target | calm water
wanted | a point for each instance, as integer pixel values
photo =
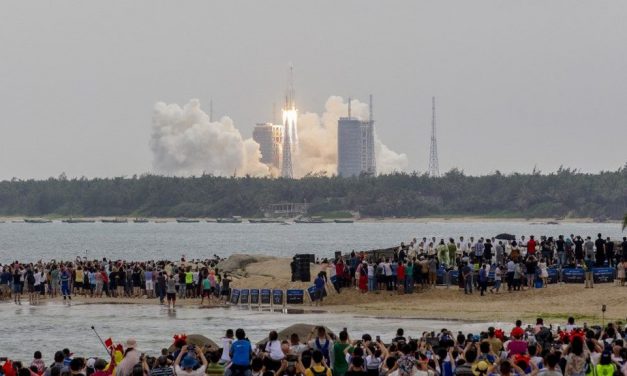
(31, 242)
(54, 326)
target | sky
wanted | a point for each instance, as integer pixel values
(519, 84)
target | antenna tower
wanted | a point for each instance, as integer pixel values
(434, 169)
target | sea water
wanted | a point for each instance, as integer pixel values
(53, 326)
(142, 241)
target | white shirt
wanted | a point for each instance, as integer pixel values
(199, 372)
(226, 348)
(274, 349)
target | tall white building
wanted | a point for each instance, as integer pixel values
(270, 139)
(355, 147)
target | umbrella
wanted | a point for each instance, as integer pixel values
(505, 236)
(198, 340)
(302, 330)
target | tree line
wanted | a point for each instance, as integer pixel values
(564, 193)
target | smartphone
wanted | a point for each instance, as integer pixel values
(378, 338)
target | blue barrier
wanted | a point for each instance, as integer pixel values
(234, 296)
(254, 296)
(295, 296)
(277, 297)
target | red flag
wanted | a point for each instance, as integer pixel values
(108, 342)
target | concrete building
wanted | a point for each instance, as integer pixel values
(270, 139)
(355, 147)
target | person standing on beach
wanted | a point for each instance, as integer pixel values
(600, 253)
(442, 251)
(65, 285)
(588, 247)
(160, 286)
(483, 278)
(170, 290)
(467, 274)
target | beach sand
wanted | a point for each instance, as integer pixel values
(554, 303)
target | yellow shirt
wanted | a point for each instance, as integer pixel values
(318, 369)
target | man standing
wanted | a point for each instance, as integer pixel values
(588, 248)
(65, 285)
(531, 246)
(467, 274)
(483, 278)
(609, 252)
(600, 254)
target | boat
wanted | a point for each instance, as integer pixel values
(161, 221)
(37, 220)
(115, 220)
(234, 219)
(266, 220)
(309, 220)
(78, 220)
(343, 221)
(140, 220)
(187, 220)
(272, 220)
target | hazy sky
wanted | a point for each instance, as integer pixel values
(519, 83)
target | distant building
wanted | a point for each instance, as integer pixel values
(270, 139)
(355, 147)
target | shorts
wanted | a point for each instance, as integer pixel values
(225, 292)
(78, 285)
(171, 296)
(206, 293)
(17, 288)
(149, 285)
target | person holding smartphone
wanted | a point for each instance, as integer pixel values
(186, 366)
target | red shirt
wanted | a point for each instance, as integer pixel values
(400, 272)
(531, 246)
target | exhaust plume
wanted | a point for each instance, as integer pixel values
(185, 142)
(318, 140)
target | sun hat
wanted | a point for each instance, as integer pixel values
(131, 343)
(480, 368)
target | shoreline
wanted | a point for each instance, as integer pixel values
(554, 304)
(418, 220)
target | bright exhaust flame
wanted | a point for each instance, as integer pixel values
(290, 121)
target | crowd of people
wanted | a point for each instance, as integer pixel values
(532, 350)
(521, 264)
(482, 264)
(164, 280)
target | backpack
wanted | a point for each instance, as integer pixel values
(323, 373)
(30, 279)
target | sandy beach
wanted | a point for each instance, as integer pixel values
(555, 303)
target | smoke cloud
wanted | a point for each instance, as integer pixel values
(185, 142)
(318, 140)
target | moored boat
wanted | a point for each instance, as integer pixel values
(140, 220)
(234, 219)
(187, 220)
(115, 220)
(343, 221)
(37, 220)
(78, 220)
(309, 220)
